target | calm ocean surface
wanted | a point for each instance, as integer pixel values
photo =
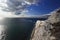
(20, 28)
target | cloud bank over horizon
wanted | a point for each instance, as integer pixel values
(16, 6)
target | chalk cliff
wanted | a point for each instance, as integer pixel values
(48, 29)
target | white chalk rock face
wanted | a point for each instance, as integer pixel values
(48, 29)
(55, 16)
(39, 31)
(2, 32)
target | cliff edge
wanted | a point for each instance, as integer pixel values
(48, 29)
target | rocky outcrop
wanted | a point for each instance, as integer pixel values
(49, 29)
(2, 32)
(36, 31)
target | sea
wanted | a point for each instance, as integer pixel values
(20, 28)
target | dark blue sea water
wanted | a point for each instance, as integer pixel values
(20, 28)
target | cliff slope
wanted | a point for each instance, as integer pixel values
(48, 29)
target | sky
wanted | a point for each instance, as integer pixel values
(27, 7)
(44, 7)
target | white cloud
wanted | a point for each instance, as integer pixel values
(12, 6)
(29, 2)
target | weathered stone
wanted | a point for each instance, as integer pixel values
(49, 29)
(55, 16)
(2, 32)
(41, 31)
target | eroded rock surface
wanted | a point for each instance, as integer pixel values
(49, 29)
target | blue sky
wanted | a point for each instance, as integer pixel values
(27, 7)
(43, 7)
